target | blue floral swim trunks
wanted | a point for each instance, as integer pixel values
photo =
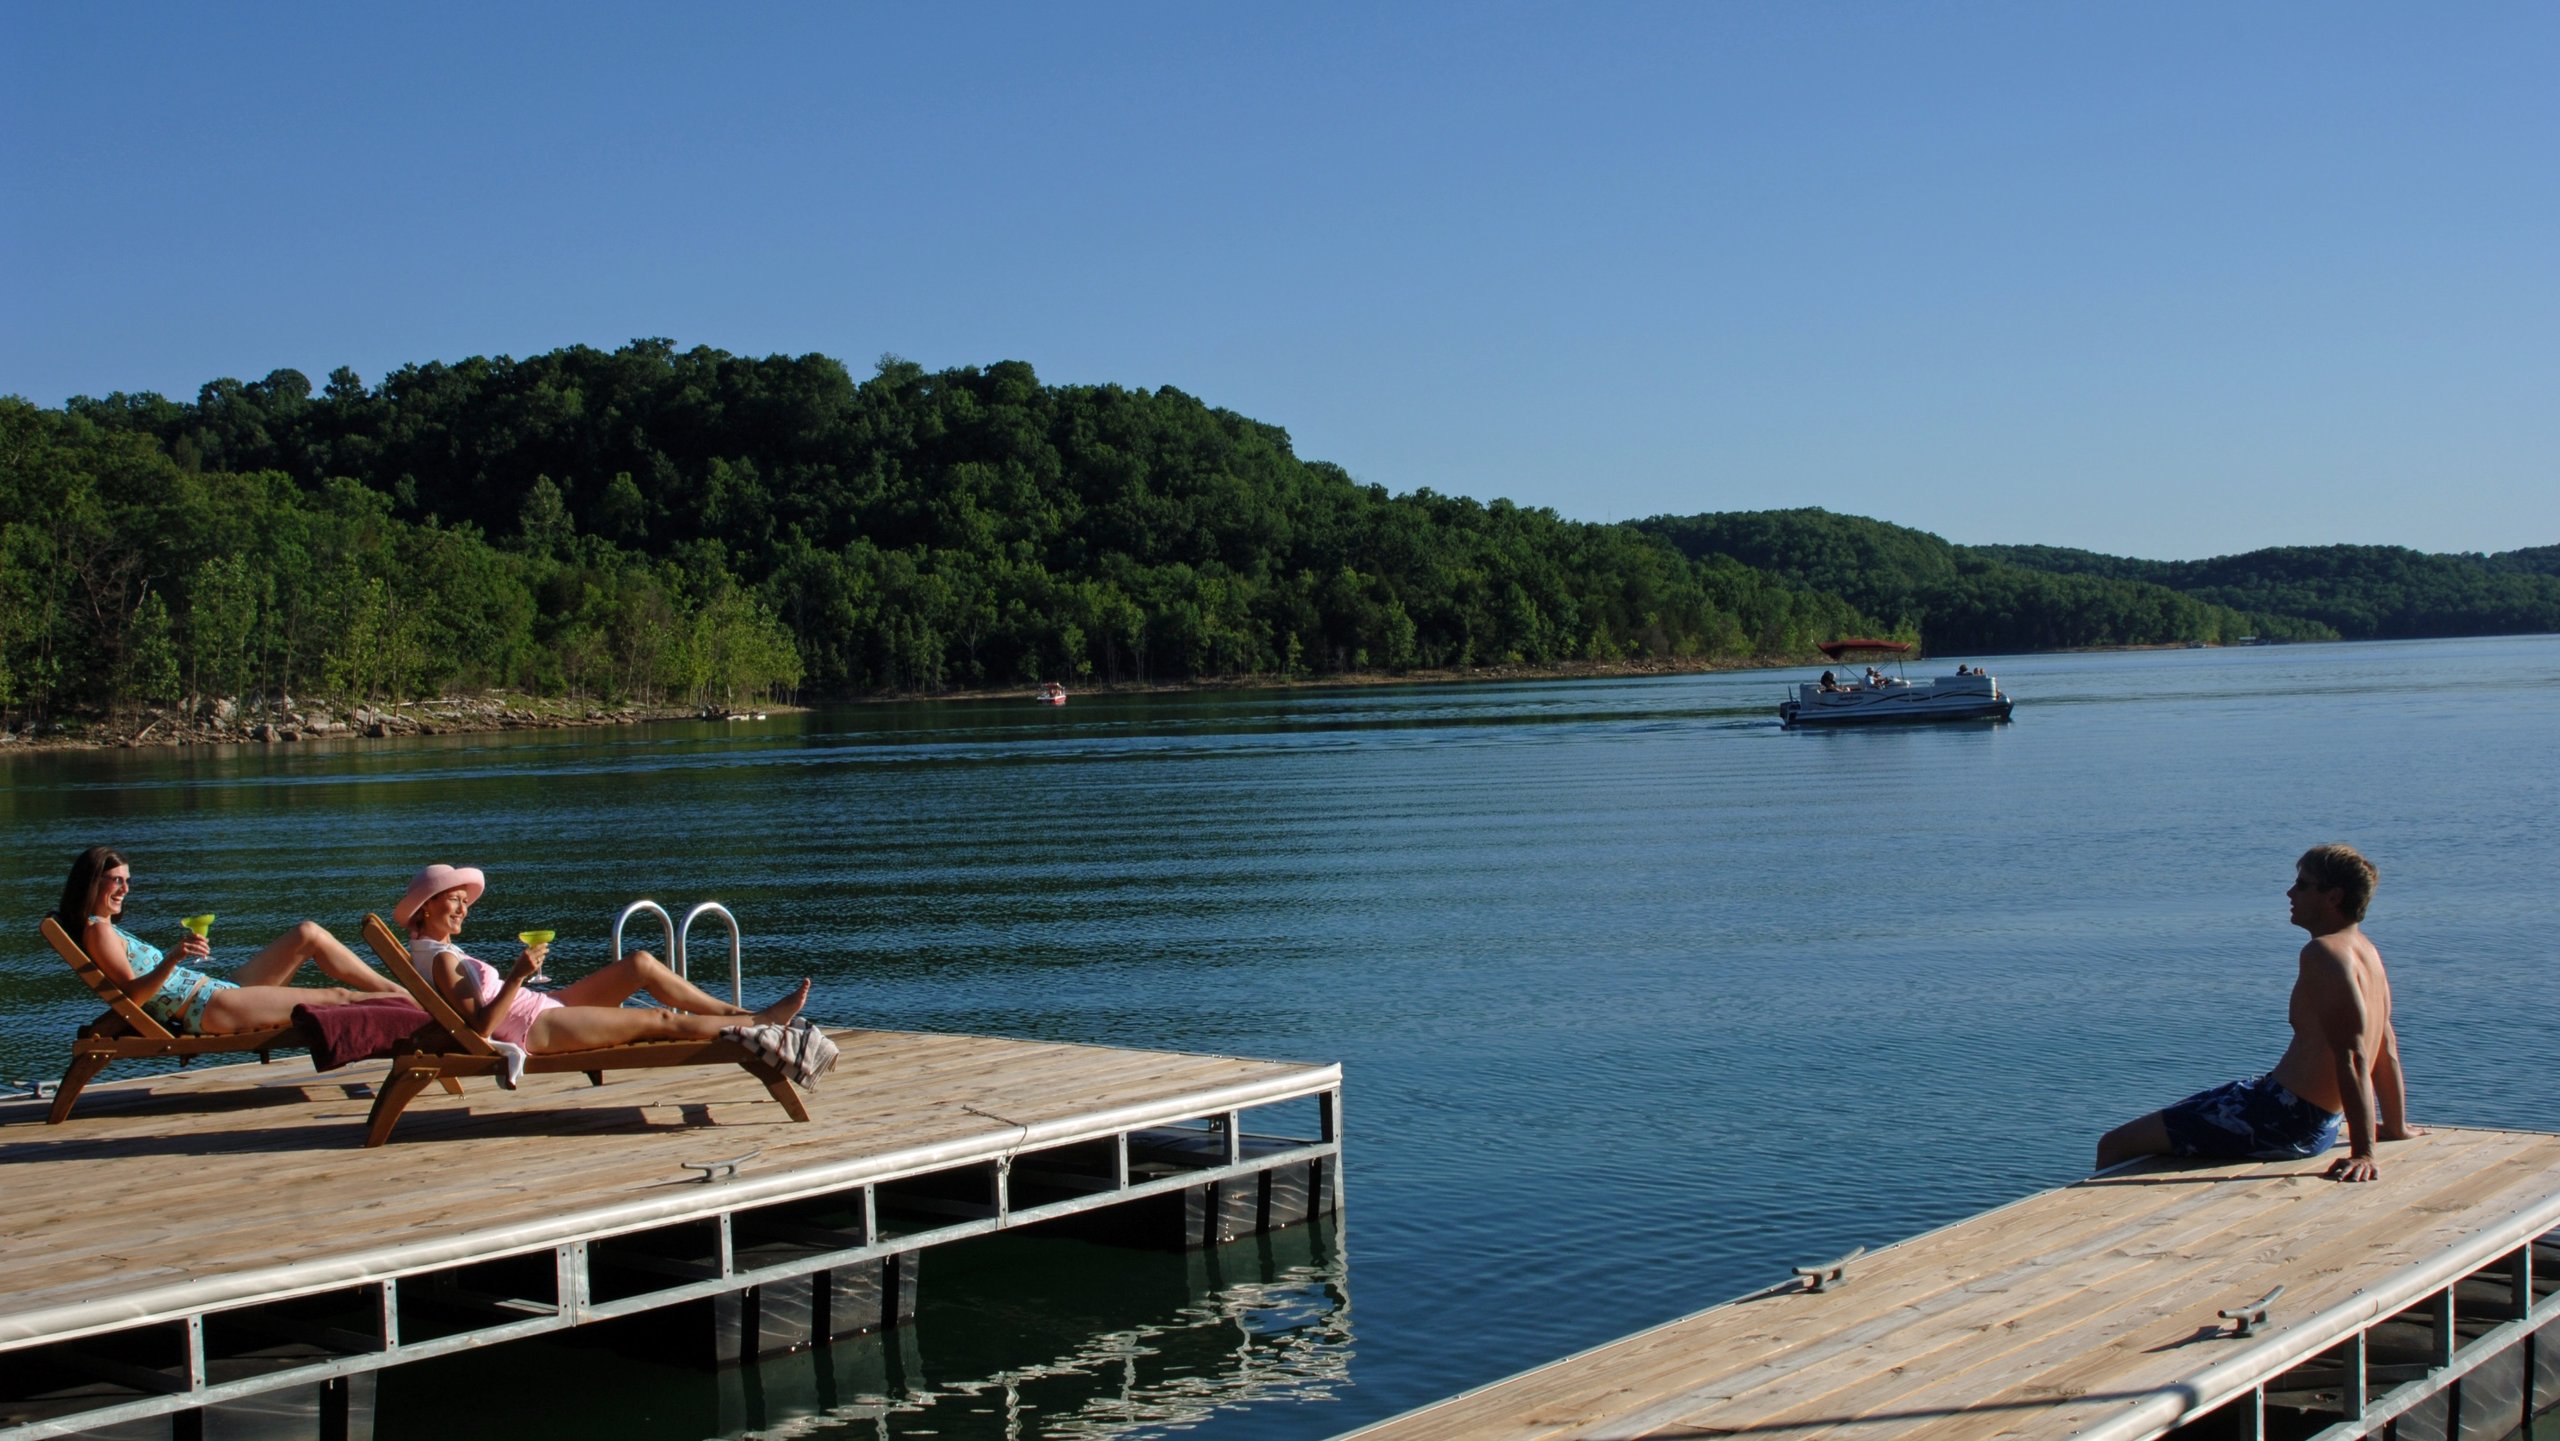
(2254, 1120)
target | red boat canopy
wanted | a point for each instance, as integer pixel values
(1838, 648)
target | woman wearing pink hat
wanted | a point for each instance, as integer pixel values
(185, 999)
(581, 1016)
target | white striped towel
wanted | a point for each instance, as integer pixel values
(800, 1050)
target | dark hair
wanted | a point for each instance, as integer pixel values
(96, 861)
(2338, 868)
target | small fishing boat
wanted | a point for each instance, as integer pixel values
(1052, 694)
(1880, 699)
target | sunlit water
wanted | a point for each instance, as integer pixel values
(1641, 1000)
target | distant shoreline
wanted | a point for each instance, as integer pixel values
(491, 714)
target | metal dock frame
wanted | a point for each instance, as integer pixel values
(2346, 1366)
(753, 1242)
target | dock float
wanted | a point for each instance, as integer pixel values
(2164, 1298)
(220, 1236)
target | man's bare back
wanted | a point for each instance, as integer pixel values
(2345, 1055)
(2344, 1059)
(2341, 985)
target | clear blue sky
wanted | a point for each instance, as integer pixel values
(2168, 280)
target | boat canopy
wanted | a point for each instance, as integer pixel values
(1838, 648)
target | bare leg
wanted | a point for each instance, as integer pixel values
(2148, 1136)
(311, 941)
(256, 1008)
(585, 1028)
(641, 971)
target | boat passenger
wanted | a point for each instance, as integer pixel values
(1828, 682)
(585, 1014)
(2344, 1061)
(173, 991)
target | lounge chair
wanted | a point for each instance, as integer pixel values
(128, 1033)
(449, 1048)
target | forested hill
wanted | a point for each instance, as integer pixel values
(1968, 599)
(667, 524)
(663, 525)
(2364, 592)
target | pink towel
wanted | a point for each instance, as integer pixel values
(359, 1031)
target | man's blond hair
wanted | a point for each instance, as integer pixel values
(2336, 867)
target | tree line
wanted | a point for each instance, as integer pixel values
(689, 525)
(1971, 598)
(661, 523)
(127, 580)
(2362, 592)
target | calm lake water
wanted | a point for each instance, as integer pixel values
(1641, 1000)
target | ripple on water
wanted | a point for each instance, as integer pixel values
(1642, 1001)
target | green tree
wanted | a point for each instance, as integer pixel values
(224, 600)
(150, 671)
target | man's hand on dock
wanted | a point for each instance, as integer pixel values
(2362, 1168)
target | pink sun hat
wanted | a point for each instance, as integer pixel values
(435, 881)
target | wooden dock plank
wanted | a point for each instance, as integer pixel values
(2036, 1344)
(1780, 1337)
(2061, 1312)
(1737, 1347)
(194, 1179)
(2046, 1361)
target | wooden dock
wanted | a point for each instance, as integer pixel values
(2093, 1311)
(198, 1237)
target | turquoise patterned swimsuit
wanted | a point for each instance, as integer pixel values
(179, 1003)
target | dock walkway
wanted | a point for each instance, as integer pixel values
(2092, 1311)
(167, 1239)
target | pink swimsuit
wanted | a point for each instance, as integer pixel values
(485, 983)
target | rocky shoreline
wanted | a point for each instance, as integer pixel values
(282, 720)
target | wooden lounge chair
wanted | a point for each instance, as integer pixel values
(127, 1032)
(461, 1051)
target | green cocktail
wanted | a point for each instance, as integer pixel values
(536, 938)
(198, 924)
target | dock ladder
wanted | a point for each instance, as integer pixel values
(677, 935)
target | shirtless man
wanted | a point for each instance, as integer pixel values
(2345, 1058)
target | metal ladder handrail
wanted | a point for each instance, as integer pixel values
(737, 973)
(675, 945)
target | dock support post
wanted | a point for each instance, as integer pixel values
(334, 1411)
(2354, 1378)
(2520, 1282)
(2440, 1312)
(772, 1318)
(569, 1280)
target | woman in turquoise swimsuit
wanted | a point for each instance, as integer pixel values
(185, 999)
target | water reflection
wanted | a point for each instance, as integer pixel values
(1039, 1340)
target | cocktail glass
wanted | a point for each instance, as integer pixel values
(537, 938)
(198, 924)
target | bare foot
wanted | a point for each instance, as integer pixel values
(781, 1011)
